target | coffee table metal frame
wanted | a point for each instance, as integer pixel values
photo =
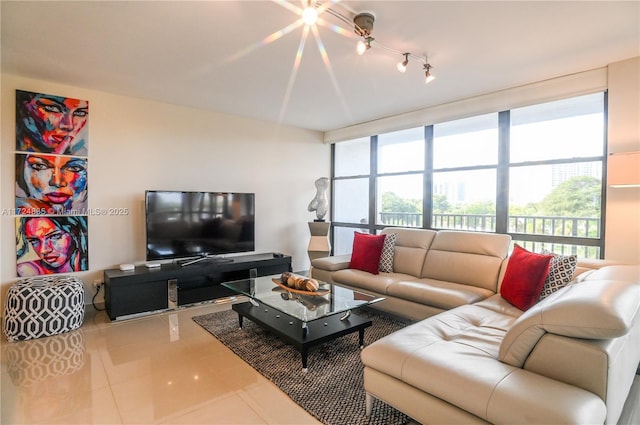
(302, 321)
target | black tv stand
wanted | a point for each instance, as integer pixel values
(147, 290)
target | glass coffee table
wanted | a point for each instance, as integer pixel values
(302, 320)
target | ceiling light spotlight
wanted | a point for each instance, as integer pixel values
(402, 66)
(364, 45)
(427, 73)
(309, 15)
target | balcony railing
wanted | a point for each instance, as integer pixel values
(579, 227)
(583, 227)
(479, 222)
(401, 219)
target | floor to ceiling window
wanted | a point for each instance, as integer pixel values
(465, 163)
(555, 175)
(534, 172)
(399, 179)
(350, 194)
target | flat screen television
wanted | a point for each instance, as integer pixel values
(198, 224)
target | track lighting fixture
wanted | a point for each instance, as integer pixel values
(364, 45)
(312, 14)
(427, 72)
(363, 26)
(402, 66)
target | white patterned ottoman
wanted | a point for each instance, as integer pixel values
(43, 306)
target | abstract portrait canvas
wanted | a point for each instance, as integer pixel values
(50, 184)
(51, 244)
(51, 124)
(51, 187)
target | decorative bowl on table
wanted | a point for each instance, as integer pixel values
(299, 284)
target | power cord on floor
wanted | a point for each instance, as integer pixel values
(93, 300)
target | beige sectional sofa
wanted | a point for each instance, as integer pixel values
(433, 271)
(475, 358)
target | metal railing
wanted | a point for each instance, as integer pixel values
(583, 227)
(401, 219)
(560, 227)
(581, 251)
(478, 222)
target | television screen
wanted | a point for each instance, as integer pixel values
(191, 224)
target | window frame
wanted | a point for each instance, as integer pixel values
(502, 167)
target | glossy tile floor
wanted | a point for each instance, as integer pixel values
(159, 369)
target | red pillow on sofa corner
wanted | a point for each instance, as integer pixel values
(524, 278)
(366, 253)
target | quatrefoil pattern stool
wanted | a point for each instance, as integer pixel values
(43, 306)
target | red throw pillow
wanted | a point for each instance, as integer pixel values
(524, 278)
(366, 252)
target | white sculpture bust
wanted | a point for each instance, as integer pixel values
(320, 204)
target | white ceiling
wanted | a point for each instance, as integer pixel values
(211, 54)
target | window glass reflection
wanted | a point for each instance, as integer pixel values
(466, 142)
(351, 201)
(401, 151)
(352, 157)
(568, 128)
(465, 200)
(399, 200)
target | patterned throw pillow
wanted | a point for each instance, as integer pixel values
(388, 250)
(560, 273)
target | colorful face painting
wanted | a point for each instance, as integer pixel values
(51, 244)
(48, 184)
(51, 124)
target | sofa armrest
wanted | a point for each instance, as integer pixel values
(333, 263)
(587, 265)
(323, 268)
(601, 307)
(565, 359)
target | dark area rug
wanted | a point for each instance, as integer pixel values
(332, 389)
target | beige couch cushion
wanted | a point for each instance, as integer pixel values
(429, 342)
(367, 281)
(600, 307)
(411, 249)
(453, 357)
(441, 355)
(437, 293)
(469, 258)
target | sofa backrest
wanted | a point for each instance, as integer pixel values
(602, 306)
(470, 258)
(411, 248)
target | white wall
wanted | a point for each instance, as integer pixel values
(622, 238)
(137, 144)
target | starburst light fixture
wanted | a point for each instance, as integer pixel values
(309, 15)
